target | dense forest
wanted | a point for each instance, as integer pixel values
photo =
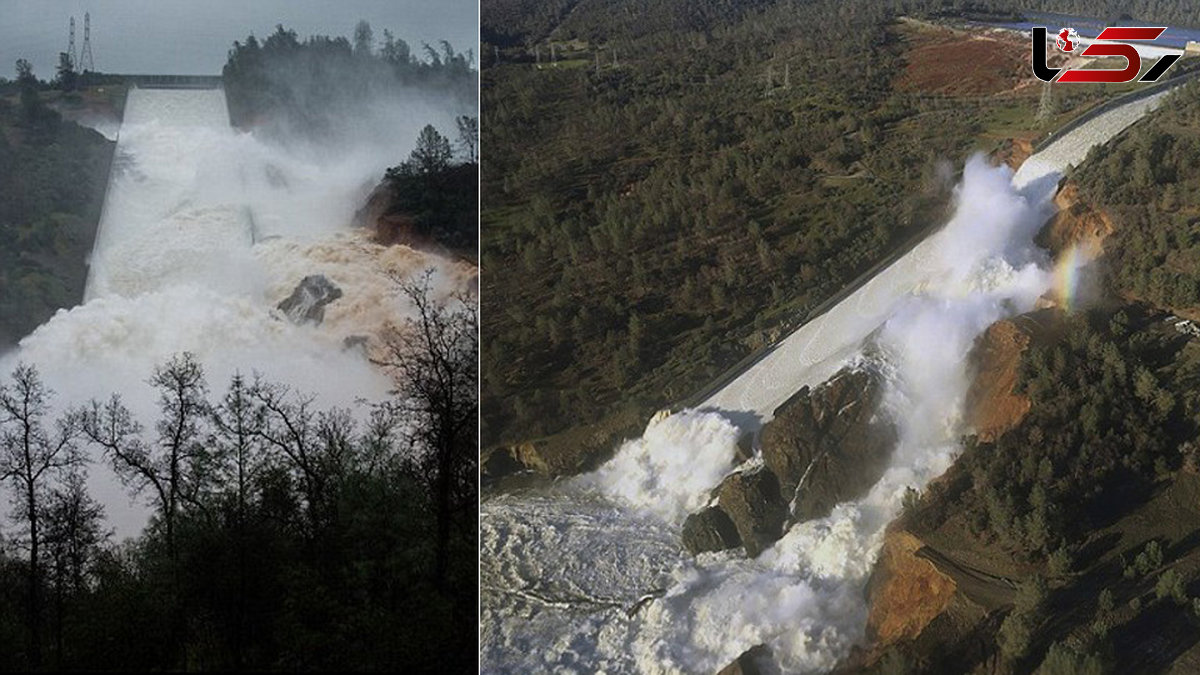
(1146, 181)
(53, 174)
(1089, 502)
(1109, 411)
(283, 536)
(307, 87)
(431, 196)
(509, 23)
(667, 190)
(1092, 498)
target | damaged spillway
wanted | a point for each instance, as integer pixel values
(174, 213)
(591, 573)
(177, 268)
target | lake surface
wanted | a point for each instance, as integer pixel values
(188, 37)
(1089, 27)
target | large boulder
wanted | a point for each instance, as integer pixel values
(307, 302)
(710, 530)
(752, 501)
(830, 444)
(754, 661)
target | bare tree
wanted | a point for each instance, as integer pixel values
(468, 137)
(174, 467)
(237, 443)
(434, 359)
(74, 533)
(29, 454)
(287, 427)
(74, 530)
(238, 460)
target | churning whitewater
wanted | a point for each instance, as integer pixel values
(590, 575)
(204, 230)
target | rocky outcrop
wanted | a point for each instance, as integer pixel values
(709, 530)
(906, 592)
(825, 446)
(388, 227)
(568, 453)
(1013, 152)
(1076, 225)
(828, 445)
(751, 662)
(993, 405)
(307, 302)
(751, 499)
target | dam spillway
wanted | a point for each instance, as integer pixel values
(174, 210)
(814, 351)
(175, 268)
(593, 566)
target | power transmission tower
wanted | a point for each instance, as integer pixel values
(1047, 107)
(71, 45)
(87, 63)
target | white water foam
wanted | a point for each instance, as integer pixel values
(204, 231)
(803, 597)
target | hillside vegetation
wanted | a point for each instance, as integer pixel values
(1072, 536)
(1147, 182)
(683, 184)
(53, 174)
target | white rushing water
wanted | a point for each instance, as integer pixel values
(204, 230)
(561, 566)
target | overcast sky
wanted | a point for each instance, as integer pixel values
(191, 37)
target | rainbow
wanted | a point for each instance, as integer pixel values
(1066, 276)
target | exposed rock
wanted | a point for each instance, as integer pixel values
(752, 501)
(567, 453)
(356, 342)
(906, 592)
(495, 463)
(829, 442)
(1076, 225)
(992, 406)
(389, 228)
(1013, 152)
(709, 530)
(646, 599)
(752, 662)
(307, 302)
(451, 230)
